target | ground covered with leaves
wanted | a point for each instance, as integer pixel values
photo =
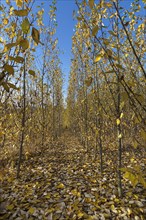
(62, 182)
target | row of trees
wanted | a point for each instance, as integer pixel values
(106, 100)
(31, 101)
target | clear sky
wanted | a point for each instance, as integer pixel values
(64, 33)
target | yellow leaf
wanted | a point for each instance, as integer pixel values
(10, 207)
(21, 13)
(24, 44)
(132, 178)
(91, 3)
(88, 81)
(19, 59)
(8, 2)
(31, 210)
(19, 3)
(118, 121)
(75, 193)
(106, 42)
(143, 134)
(6, 87)
(109, 5)
(9, 69)
(5, 21)
(79, 18)
(94, 31)
(80, 214)
(60, 186)
(119, 66)
(121, 116)
(120, 136)
(124, 96)
(112, 207)
(113, 33)
(31, 72)
(12, 86)
(25, 26)
(135, 144)
(48, 196)
(35, 35)
(9, 46)
(98, 58)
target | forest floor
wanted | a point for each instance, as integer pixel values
(62, 183)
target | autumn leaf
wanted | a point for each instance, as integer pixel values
(98, 58)
(17, 59)
(91, 3)
(19, 3)
(10, 207)
(5, 21)
(60, 186)
(9, 69)
(5, 85)
(9, 46)
(88, 81)
(79, 18)
(25, 26)
(24, 43)
(31, 72)
(118, 121)
(35, 35)
(95, 30)
(21, 13)
(31, 210)
(12, 86)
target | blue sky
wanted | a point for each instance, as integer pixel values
(64, 33)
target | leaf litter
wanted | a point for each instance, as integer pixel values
(62, 182)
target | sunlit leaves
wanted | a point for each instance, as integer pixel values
(118, 121)
(12, 86)
(79, 18)
(17, 59)
(9, 69)
(31, 210)
(35, 35)
(60, 186)
(19, 3)
(9, 46)
(21, 13)
(5, 85)
(98, 58)
(95, 30)
(88, 81)
(10, 207)
(113, 33)
(119, 66)
(143, 134)
(91, 3)
(25, 26)
(5, 21)
(24, 43)
(31, 72)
